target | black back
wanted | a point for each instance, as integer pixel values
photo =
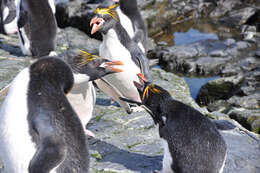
(40, 26)
(54, 126)
(194, 142)
(130, 9)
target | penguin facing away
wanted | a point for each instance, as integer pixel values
(37, 116)
(133, 22)
(191, 141)
(8, 20)
(37, 27)
(117, 45)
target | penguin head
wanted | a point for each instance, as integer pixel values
(105, 18)
(153, 97)
(52, 71)
(94, 66)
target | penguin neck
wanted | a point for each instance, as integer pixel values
(120, 34)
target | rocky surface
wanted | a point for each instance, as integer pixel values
(130, 143)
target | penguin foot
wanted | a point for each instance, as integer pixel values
(89, 133)
(137, 109)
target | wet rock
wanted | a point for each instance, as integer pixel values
(207, 57)
(238, 17)
(219, 89)
(239, 99)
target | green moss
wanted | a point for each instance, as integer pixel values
(133, 145)
(97, 156)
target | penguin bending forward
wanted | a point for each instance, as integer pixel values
(39, 130)
(117, 45)
(133, 22)
(82, 97)
(191, 141)
(37, 27)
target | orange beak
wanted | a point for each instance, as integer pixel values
(113, 69)
(96, 22)
(142, 79)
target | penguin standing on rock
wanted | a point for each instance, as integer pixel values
(39, 130)
(8, 20)
(83, 95)
(118, 45)
(191, 141)
(37, 27)
(133, 22)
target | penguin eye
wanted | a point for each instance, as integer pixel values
(152, 88)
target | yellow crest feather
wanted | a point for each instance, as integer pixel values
(152, 89)
(108, 11)
(86, 57)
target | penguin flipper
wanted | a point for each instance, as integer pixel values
(23, 18)
(139, 36)
(143, 63)
(113, 92)
(51, 149)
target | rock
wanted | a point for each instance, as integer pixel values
(218, 89)
(250, 119)
(224, 6)
(257, 53)
(239, 17)
(207, 57)
(239, 98)
(72, 38)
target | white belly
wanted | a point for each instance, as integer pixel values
(112, 49)
(16, 147)
(82, 98)
(167, 158)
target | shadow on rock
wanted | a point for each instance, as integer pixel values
(119, 159)
(11, 49)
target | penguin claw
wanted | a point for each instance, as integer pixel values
(89, 133)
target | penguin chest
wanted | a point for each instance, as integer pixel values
(112, 49)
(16, 146)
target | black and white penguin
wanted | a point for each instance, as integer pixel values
(132, 21)
(191, 141)
(82, 97)
(39, 129)
(117, 45)
(37, 27)
(8, 20)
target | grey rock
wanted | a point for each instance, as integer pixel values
(257, 53)
(218, 89)
(72, 38)
(239, 17)
(207, 57)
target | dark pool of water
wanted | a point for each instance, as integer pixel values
(195, 84)
(194, 30)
